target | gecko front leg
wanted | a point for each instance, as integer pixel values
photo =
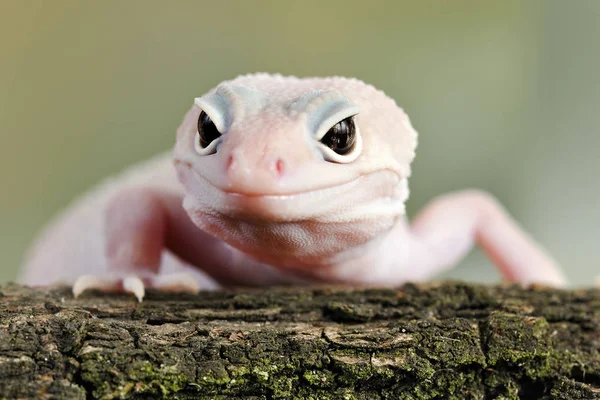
(140, 224)
(450, 225)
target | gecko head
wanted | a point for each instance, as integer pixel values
(303, 167)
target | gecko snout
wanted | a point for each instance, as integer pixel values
(255, 177)
(275, 165)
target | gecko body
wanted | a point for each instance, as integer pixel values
(277, 180)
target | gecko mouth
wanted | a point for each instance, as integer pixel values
(311, 192)
(359, 197)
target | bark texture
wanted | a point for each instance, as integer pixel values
(438, 341)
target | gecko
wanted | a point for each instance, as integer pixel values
(278, 180)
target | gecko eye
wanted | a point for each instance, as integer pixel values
(207, 135)
(341, 138)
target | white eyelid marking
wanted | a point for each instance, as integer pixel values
(229, 101)
(208, 150)
(326, 117)
(242, 98)
(324, 109)
(218, 110)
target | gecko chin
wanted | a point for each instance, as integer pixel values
(299, 228)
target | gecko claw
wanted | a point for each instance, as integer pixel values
(134, 285)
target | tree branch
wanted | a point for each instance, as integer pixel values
(441, 340)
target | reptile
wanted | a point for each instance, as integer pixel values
(277, 180)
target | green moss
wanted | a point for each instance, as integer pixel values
(347, 312)
(319, 378)
(420, 342)
(114, 375)
(147, 376)
(351, 366)
(517, 339)
(566, 389)
(401, 363)
(282, 387)
(451, 343)
(213, 373)
(317, 394)
(501, 384)
(238, 372)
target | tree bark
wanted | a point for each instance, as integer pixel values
(436, 341)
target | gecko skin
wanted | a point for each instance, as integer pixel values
(278, 180)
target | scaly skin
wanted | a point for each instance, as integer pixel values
(264, 197)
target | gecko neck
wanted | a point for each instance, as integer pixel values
(372, 262)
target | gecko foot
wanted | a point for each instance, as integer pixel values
(175, 282)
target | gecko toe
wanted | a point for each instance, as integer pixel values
(176, 282)
(98, 282)
(129, 284)
(136, 285)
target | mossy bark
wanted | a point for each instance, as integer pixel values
(437, 341)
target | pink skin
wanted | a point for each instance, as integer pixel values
(142, 223)
(440, 236)
(136, 240)
(269, 203)
(451, 223)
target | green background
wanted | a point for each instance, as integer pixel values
(504, 95)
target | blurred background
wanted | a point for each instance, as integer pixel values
(504, 95)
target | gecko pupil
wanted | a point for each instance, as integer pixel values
(341, 138)
(207, 130)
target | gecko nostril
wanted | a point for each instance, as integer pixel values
(279, 166)
(229, 161)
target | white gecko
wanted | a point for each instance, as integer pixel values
(278, 180)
